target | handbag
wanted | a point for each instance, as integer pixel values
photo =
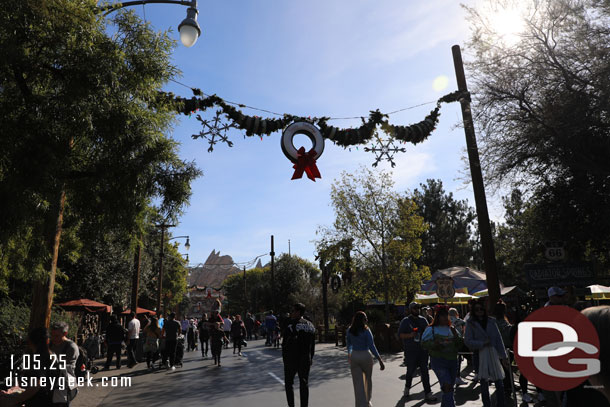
(490, 367)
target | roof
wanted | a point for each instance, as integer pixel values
(471, 279)
(85, 304)
(213, 272)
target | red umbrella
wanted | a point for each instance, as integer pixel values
(84, 304)
(140, 311)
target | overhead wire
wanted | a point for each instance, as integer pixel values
(243, 106)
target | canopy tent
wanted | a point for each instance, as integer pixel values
(141, 311)
(458, 299)
(84, 304)
(463, 277)
(511, 290)
(598, 292)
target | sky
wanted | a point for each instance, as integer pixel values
(338, 58)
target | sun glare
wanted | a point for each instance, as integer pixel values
(440, 83)
(508, 22)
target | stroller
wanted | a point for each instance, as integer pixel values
(92, 352)
(179, 351)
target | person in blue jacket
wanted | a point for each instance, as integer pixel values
(482, 331)
(360, 345)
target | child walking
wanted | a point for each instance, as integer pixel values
(217, 337)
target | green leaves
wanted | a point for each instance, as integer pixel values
(78, 110)
(386, 235)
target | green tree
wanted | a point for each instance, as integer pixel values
(385, 230)
(296, 280)
(447, 240)
(542, 106)
(516, 239)
(83, 132)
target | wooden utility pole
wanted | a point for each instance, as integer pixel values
(272, 254)
(162, 226)
(135, 281)
(487, 244)
(245, 294)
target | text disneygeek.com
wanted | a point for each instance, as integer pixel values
(62, 383)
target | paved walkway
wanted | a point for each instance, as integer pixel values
(256, 379)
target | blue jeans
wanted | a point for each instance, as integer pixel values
(446, 372)
(499, 393)
(414, 359)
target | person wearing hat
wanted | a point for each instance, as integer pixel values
(556, 296)
(410, 330)
(428, 314)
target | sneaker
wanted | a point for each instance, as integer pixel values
(240, 354)
(173, 367)
(459, 381)
(527, 398)
(541, 397)
(430, 397)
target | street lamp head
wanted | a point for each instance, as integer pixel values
(189, 28)
(187, 245)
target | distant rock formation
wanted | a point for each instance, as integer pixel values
(213, 272)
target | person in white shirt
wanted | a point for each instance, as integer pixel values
(133, 333)
(227, 328)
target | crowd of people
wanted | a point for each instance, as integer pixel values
(439, 339)
(433, 338)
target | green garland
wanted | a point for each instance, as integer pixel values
(254, 125)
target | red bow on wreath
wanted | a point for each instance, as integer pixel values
(306, 162)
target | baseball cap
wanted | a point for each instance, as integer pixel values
(556, 291)
(413, 305)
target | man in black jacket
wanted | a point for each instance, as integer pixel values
(170, 331)
(115, 334)
(297, 352)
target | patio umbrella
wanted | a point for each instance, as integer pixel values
(141, 311)
(458, 299)
(85, 304)
(598, 292)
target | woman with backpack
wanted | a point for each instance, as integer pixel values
(151, 346)
(482, 334)
(442, 341)
(360, 345)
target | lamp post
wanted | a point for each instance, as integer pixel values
(187, 245)
(189, 27)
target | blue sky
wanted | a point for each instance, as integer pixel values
(317, 58)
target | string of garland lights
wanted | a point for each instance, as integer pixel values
(316, 128)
